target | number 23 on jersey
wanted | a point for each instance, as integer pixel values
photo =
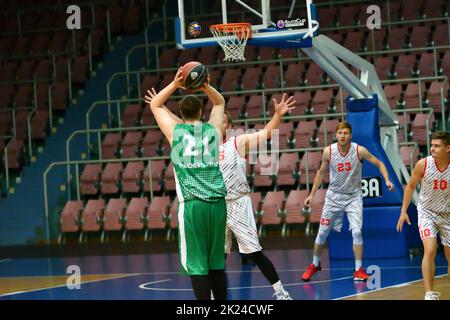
(344, 166)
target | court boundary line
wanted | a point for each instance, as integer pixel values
(61, 286)
(233, 288)
(142, 286)
(389, 287)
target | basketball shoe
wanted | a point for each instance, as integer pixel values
(282, 295)
(312, 269)
(360, 275)
(432, 295)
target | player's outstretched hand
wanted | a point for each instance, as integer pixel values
(150, 95)
(308, 202)
(401, 220)
(390, 185)
(178, 80)
(282, 107)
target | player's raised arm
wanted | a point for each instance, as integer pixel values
(164, 118)
(148, 99)
(245, 141)
(366, 155)
(408, 193)
(319, 176)
(218, 109)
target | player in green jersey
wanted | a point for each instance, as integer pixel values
(199, 184)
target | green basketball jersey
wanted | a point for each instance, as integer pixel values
(195, 158)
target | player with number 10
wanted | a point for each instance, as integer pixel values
(433, 174)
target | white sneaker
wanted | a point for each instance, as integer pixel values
(432, 295)
(282, 295)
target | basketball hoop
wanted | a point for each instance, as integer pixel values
(232, 37)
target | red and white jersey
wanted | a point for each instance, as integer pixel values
(435, 188)
(233, 168)
(345, 170)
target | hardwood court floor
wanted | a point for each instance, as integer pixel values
(407, 291)
(157, 277)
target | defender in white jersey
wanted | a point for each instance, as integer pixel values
(343, 159)
(433, 174)
(240, 218)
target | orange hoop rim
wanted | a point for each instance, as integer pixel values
(227, 27)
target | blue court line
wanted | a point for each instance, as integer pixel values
(5, 260)
(328, 284)
(144, 285)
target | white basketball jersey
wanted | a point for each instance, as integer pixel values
(233, 168)
(345, 169)
(435, 189)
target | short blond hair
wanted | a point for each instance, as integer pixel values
(344, 125)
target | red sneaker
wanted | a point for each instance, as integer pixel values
(312, 269)
(360, 275)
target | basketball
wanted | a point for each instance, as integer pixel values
(194, 75)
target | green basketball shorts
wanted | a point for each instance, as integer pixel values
(201, 236)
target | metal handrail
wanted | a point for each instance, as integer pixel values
(411, 155)
(79, 162)
(37, 55)
(427, 125)
(341, 115)
(55, 6)
(98, 132)
(18, 11)
(46, 30)
(274, 61)
(263, 92)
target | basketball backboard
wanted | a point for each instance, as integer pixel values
(289, 23)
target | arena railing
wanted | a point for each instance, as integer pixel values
(60, 6)
(14, 111)
(419, 80)
(77, 164)
(324, 117)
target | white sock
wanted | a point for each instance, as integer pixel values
(278, 287)
(316, 261)
(358, 264)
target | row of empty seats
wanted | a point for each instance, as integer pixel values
(411, 95)
(140, 214)
(134, 177)
(356, 41)
(118, 215)
(47, 43)
(351, 13)
(306, 74)
(44, 50)
(125, 17)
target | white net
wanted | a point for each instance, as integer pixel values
(232, 38)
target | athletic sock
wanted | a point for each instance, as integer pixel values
(316, 261)
(278, 287)
(358, 264)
